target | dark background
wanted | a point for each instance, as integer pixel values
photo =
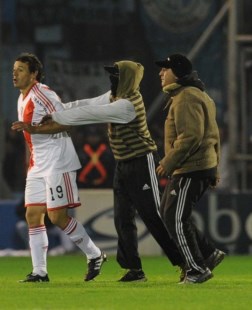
(74, 39)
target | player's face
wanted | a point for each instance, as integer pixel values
(22, 77)
(167, 77)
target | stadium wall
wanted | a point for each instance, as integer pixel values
(226, 218)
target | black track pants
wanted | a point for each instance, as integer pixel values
(136, 190)
(178, 201)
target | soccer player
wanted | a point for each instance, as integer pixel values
(51, 177)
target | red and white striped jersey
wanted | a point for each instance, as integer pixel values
(49, 153)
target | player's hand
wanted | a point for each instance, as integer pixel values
(160, 171)
(20, 126)
(46, 119)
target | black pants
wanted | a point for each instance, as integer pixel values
(136, 189)
(178, 201)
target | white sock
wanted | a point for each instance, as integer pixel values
(38, 241)
(79, 236)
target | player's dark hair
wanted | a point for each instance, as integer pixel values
(34, 64)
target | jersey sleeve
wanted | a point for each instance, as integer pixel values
(45, 101)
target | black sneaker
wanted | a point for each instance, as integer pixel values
(32, 277)
(94, 266)
(133, 275)
(193, 276)
(215, 259)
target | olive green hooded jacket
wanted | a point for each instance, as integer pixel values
(132, 139)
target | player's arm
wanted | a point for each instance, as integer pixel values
(50, 127)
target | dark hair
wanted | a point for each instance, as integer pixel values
(34, 64)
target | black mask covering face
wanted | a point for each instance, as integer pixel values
(114, 84)
(114, 78)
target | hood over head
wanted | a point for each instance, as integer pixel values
(129, 77)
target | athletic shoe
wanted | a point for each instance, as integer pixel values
(133, 275)
(215, 259)
(94, 266)
(193, 276)
(32, 277)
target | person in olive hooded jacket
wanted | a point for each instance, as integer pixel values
(192, 152)
(135, 185)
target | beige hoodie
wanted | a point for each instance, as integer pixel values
(192, 141)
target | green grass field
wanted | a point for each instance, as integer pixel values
(231, 287)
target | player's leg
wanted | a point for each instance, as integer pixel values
(38, 240)
(62, 193)
(75, 231)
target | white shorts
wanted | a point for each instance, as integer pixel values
(55, 191)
